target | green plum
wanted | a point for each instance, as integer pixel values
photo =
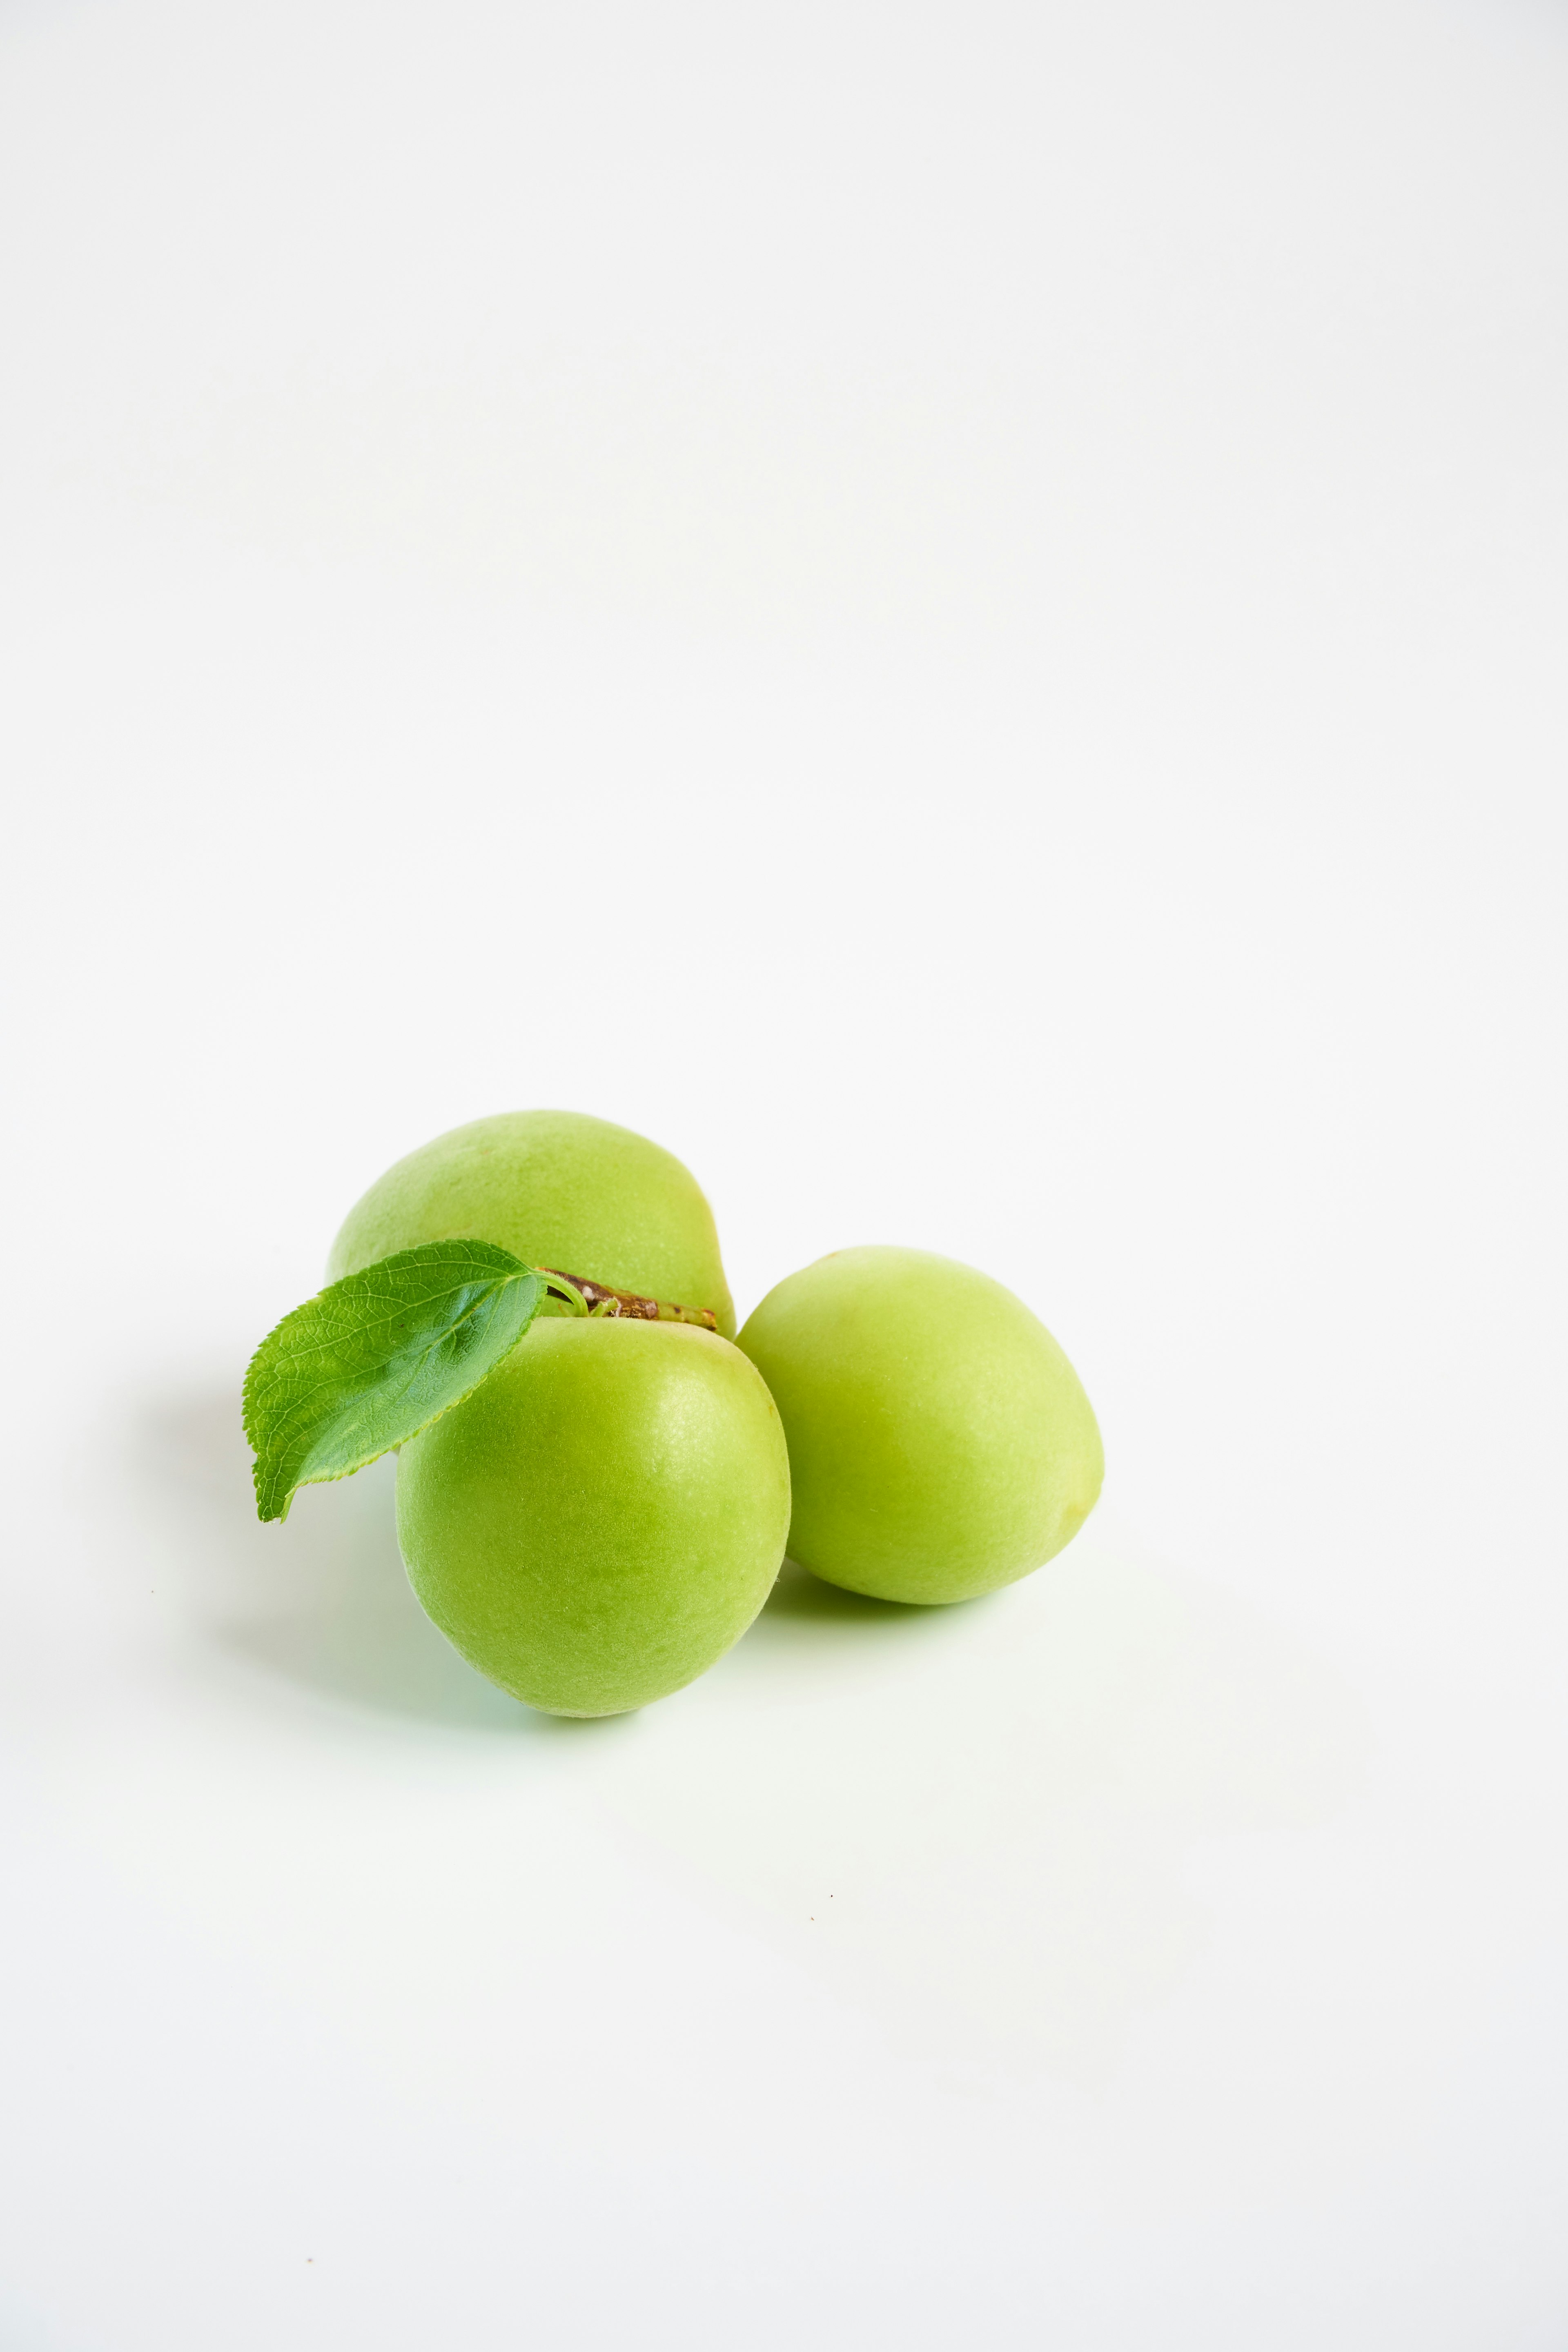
(599, 1521)
(557, 1188)
(939, 1442)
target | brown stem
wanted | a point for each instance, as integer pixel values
(631, 1302)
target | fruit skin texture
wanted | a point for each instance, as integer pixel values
(599, 1521)
(941, 1444)
(556, 1188)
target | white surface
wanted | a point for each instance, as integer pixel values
(959, 613)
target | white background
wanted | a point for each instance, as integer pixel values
(958, 613)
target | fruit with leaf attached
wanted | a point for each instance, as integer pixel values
(557, 1188)
(941, 1444)
(599, 1521)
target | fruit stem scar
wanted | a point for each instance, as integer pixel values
(585, 1297)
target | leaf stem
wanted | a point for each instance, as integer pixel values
(564, 1289)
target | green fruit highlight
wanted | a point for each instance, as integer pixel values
(941, 1444)
(557, 1188)
(600, 1520)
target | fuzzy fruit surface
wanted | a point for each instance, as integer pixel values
(558, 1188)
(598, 1524)
(941, 1444)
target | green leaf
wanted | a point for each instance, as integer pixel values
(375, 1359)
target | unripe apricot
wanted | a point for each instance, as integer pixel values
(557, 1188)
(941, 1444)
(599, 1521)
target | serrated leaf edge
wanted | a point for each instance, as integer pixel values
(252, 1390)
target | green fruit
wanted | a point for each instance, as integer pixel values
(599, 1521)
(556, 1188)
(940, 1443)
